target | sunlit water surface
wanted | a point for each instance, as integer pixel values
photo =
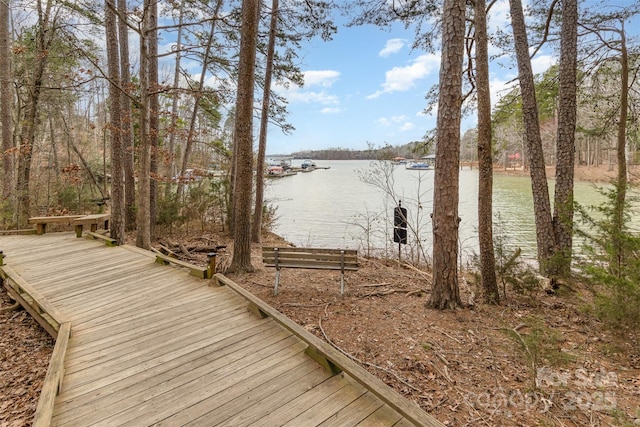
(335, 208)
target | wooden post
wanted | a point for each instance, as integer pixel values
(211, 270)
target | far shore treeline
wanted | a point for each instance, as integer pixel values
(409, 151)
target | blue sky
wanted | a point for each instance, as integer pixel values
(368, 86)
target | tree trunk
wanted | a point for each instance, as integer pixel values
(143, 236)
(196, 104)
(127, 124)
(485, 159)
(75, 149)
(115, 124)
(6, 106)
(621, 182)
(445, 293)
(44, 35)
(174, 102)
(541, 204)
(256, 232)
(565, 145)
(154, 111)
(241, 261)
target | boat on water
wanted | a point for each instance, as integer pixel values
(418, 166)
(279, 172)
(399, 161)
(308, 165)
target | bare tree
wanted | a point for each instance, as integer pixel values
(188, 147)
(485, 157)
(445, 293)
(612, 46)
(175, 97)
(45, 34)
(243, 138)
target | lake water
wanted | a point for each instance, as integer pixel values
(335, 208)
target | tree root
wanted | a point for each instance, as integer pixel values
(10, 308)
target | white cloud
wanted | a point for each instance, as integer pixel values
(392, 46)
(323, 78)
(401, 79)
(313, 78)
(331, 110)
(309, 97)
(407, 126)
(499, 88)
(541, 63)
(388, 121)
(401, 122)
(499, 17)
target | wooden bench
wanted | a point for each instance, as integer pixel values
(91, 220)
(42, 221)
(312, 258)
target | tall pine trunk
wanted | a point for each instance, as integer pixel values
(126, 121)
(115, 124)
(6, 107)
(256, 231)
(565, 145)
(154, 115)
(243, 137)
(545, 238)
(445, 293)
(485, 158)
(143, 218)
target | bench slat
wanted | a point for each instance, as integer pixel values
(326, 261)
(92, 219)
(53, 219)
(270, 249)
(317, 266)
(304, 255)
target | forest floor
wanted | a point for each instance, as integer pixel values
(468, 367)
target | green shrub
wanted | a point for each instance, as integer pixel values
(610, 263)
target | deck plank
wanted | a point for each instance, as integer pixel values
(261, 388)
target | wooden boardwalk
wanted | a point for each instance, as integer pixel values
(153, 345)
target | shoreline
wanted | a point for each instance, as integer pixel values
(596, 174)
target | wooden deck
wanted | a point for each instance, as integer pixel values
(153, 345)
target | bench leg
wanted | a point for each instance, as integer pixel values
(341, 283)
(275, 291)
(41, 228)
(79, 230)
(94, 227)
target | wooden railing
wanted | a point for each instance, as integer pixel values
(55, 324)
(333, 360)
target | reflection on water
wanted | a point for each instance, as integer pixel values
(334, 208)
